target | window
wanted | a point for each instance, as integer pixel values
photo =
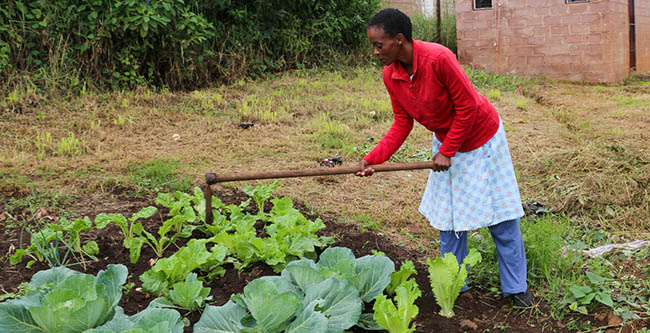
(482, 4)
(574, 1)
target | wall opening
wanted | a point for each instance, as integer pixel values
(482, 4)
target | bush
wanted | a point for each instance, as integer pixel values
(173, 43)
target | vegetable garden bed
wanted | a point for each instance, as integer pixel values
(481, 311)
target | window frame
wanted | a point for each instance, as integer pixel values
(485, 8)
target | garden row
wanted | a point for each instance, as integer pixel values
(331, 292)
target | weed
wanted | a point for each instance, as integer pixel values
(368, 222)
(69, 146)
(158, 175)
(331, 134)
(494, 95)
(522, 104)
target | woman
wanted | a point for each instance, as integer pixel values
(473, 183)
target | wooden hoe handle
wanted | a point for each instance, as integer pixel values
(213, 178)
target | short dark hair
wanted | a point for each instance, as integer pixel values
(393, 21)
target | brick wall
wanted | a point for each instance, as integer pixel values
(578, 41)
(409, 7)
(419, 7)
(642, 12)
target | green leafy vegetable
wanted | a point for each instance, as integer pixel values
(167, 271)
(132, 231)
(398, 277)
(260, 194)
(447, 279)
(306, 297)
(47, 243)
(190, 294)
(396, 319)
(63, 300)
(150, 320)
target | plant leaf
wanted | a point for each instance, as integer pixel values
(373, 274)
(221, 319)
(270, 302)
(341, 303)
(309, 320)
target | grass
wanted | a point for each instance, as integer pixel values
(158, 176)
(579, 149)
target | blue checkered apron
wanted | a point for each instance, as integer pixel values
(479, 189)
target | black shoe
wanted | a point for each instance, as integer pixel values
(522, 300)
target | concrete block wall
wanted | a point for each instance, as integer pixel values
(642, 13)
(409, 7)
(577, 41)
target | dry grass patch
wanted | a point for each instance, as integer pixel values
(566, 147)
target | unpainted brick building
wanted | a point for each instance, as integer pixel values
(583, 40)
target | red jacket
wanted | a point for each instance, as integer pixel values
(441, 98)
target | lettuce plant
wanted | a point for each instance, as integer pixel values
(398, 277)
(167, 271)
(447, 278)
(63, 300)
(396, 317)
(308, 296)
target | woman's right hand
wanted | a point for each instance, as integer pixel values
(364, 169)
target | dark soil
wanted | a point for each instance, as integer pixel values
(476, 311)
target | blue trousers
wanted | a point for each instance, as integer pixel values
(510, 253)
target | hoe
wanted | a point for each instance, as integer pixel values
(213, 178)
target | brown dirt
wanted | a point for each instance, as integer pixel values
(476, 311)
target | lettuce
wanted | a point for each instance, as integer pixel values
(447, 278)
(399, 277)
(396, 319)
(63, 300)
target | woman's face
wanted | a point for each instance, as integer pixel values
(386, 48)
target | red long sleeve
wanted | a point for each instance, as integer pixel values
(441, 98)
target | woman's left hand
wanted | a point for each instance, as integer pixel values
(441, 162)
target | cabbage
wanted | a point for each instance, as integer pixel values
(63, 300)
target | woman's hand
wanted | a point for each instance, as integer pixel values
(441, 162)
(364, 169)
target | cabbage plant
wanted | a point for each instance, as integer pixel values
(151, 320)
(63, 300)
(308, 296)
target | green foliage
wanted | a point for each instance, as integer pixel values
(323, 296)
(176, 268)
(425, 28)
(447, 278)
(260, 194)
(49, 241)
(190, 294)
(397, 319)
(174, 43)
(504, 82)
(158, 175)
(494, 95)
(401, 276)
(63, 300)
(131, 229)
(522, 105)
(580, 298)
(153, 319)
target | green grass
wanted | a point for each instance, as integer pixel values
(157, 176)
